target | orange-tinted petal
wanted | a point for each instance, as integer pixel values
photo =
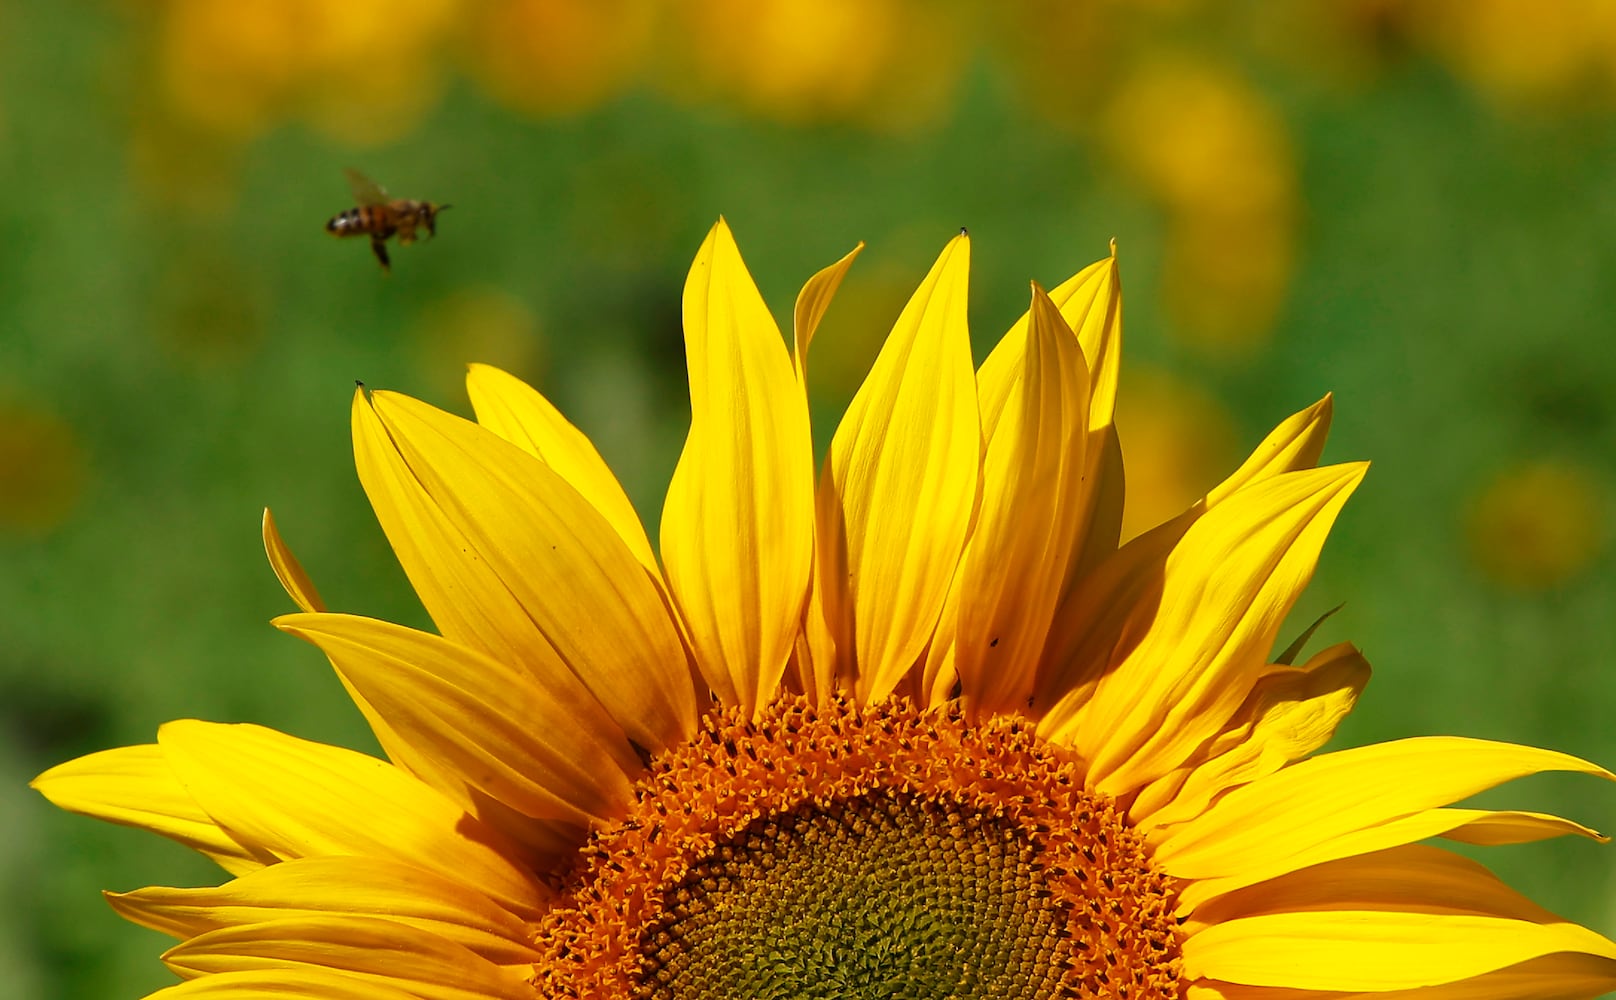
(738, 522)
(281, 984)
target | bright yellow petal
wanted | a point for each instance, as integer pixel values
(1093, 614)
(1030, 520)
(287, 569)
(1090, 302)
(738, 522)
(385, 952)
(527, 569)
(521, 415)
(1564, 976)
(1289, 714)
(1493, 828)
(336, 886)
(134, 786)
(1374, 950)
(1296, 443)
(812, 302)
(1411, 878)
(1258, 827)
(901, 484)
(295, 798)
(281, 984)
(549, 751)
(1226, 591)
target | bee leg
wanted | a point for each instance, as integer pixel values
(379, 248)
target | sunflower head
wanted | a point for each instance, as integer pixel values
(914, 725)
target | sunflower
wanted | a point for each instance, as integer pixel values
(919, 729)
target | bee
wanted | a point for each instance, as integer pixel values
(381, 217)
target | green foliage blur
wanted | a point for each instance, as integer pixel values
(1339, 201)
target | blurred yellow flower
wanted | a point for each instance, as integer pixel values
(1539, 523)
(362, 70)
(874, 62)
(1216, 156)
(1523, 54)
(557, 56)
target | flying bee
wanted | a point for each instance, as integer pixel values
(381, 217)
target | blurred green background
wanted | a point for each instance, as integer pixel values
(1410, 205)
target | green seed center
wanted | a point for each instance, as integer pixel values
(886, 896)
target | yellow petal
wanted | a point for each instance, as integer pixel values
(288, 570)
(812, 302)
(1226, 591)
(1093, 613)
(1090, 302)
(738, 522)
(910, 437)
(134, 786)
(280, 984)
(521, 415)
(1393, 833)
(300, 799)
(1289, 714)
(384, 952)
(549, 751)
(512, 560)
(1411, 877)
(1492, 828)
(336, 886)
(1259, 827)
(1030, 519)
(1563, 976)
(1374, 950)
(1296, 443)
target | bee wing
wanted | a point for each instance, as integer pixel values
(365, 190)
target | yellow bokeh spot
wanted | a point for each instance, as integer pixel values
(1538, 524)
(557, 56)
(1225, 279)
(477, 323)
(873, 62)
(1178, 441)
(42, 469)
(363, 69)
(1523, 52)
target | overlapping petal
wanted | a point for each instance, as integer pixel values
(135, 786)
(1029, 524)
(900, 484)
(1202, 644)
(385, 952)
(738, 522)
(295, 799)
(549, 751)
(511, 559)
(336, 886)
(521, 415)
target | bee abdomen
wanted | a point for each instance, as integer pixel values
(353, 222)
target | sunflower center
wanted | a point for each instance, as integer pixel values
(883, 896)
(852, 853)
